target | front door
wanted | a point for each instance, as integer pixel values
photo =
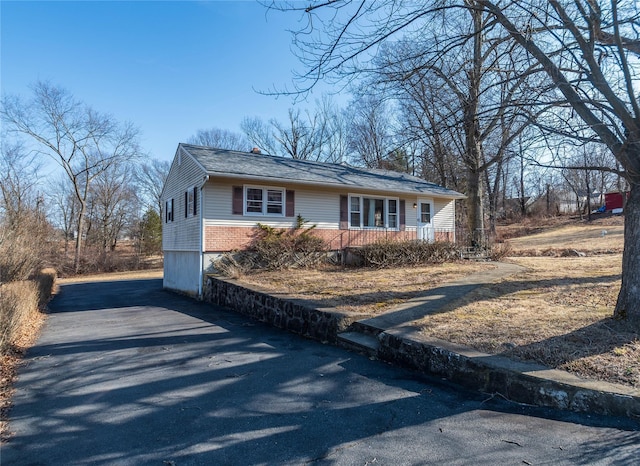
(425, 221)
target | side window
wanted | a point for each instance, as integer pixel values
(168, 211)
(191, 202)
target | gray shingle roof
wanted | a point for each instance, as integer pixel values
(227, 163)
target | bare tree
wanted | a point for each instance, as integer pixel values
(64, 204)
(588, 49)
(302, 137)
(370, 135)
(83, 142)
(260, 134)
(463, 88)
(18, 183)
(150, 178)
(335, 148)
(112, 205)
(221, 139)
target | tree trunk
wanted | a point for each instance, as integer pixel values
(628, 305)
(78, 252)
(475, 212)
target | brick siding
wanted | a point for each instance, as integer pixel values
(220, 239)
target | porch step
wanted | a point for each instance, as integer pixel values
(359, 342)
(367, 327)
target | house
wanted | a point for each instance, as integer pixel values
(214, 198)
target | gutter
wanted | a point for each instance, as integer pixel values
(201, 217)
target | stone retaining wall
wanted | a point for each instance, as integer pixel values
(295, 315)
(516, 381)
(522, 382)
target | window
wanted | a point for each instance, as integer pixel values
(190, 202)
(274, 201)
(254, 201)
(355, 211)
(264, 201)
(373, 212)
(168, 211)
(393, 213)
(425, 212)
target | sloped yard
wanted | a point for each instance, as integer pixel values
(558, 312)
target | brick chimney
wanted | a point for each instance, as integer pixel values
(256, 150)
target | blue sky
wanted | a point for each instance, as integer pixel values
(171, 68)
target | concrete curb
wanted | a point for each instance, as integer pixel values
(403, 345)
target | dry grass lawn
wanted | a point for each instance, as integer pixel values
(361, 291)
(603, 236)
(102, 277)
(558, 312)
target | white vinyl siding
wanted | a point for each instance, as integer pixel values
(444, 214)
(319, 207)
(183, 234)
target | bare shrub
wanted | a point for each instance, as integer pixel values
(275, 249)
(20, 254)
(233, 264)
(18, 301)
(387, 253)
(499, 251)
(45, 281)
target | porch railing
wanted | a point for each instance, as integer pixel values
(355, 238)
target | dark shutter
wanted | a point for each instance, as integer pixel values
(166, 211)
(195, 200)
(403, 217)
(236, 203)
(171, 216)
(344, 212)
(291, 203)
(186, 204)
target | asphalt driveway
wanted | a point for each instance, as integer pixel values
(128, 374)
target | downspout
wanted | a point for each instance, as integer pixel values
(201, 217)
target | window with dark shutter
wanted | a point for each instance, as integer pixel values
(344, 212)
(403, 216)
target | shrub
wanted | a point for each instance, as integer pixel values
(387, 253)
(45, 281)
(499, 251)
(276, 249)
(20, 255)
(18, 302)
